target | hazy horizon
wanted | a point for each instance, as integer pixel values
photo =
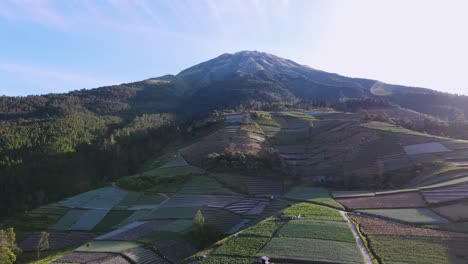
(58, 46)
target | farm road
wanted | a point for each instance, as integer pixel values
(362, 248)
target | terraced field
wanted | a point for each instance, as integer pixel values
(413, 215)
(291, 220)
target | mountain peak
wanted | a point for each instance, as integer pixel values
(250, 62)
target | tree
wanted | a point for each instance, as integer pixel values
(43, 243)
(8, 248)
(198, 223)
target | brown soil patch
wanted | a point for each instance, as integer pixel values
(375, 226)
(454, 212)
(224, 141)
(398, 200)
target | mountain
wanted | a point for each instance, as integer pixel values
(57, 144)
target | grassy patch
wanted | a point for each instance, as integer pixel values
(393, 249)
(327, 230)
(312, 211)
(312, 250)
(312, 194)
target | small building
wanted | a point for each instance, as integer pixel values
(264, 260)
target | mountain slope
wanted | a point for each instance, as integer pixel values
(83, 138)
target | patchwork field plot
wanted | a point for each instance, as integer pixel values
(240, 249)
(175, 250)
(264, 187)
(135, 216)
(52, 211)
(171, 213)
(433, 147)
(238, 118)
(222, 220)
(414, 215)
(204, 185)
(112, 219)
(119, 231)
(327, 230)
(144, 256)
(106, 197)
(419, 250)
(89, 257)
(245, 140)
(287, 248)
(108, 246)
(69, 219)
(266, 228)
(312, 211)
(376, 226)
(248, 206)
(398, 200)
(183, 200)
(89, 219)
(57, 240)
(446, 194)
(312, 194)
(455, 212)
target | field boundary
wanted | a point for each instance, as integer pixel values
(365, 254)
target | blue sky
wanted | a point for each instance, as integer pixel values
(58, 46)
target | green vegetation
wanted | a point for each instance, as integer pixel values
(312, 211)
(244, 246)
(312, 194)
(266, 228)
(160, 179)
(312, 250)
(326, 230)
(394, 249)
(203, 234)
(264, 119)
(8, 248)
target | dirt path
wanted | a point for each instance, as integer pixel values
(362, 248)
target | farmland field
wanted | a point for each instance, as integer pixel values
(204, 185)
(326, 230)
(312, 194)
(455, 212)
(419, 250)
(414, 215)
(432, 147)
(376, 226)
(265, 228)
(399, 200)
(312, 250)
(312, 211)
